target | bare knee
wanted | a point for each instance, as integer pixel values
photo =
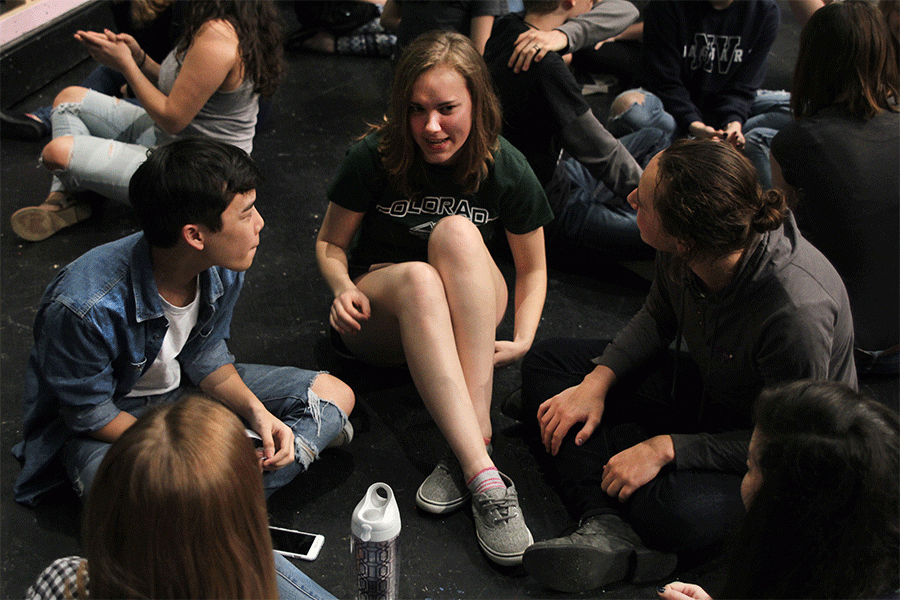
(420, 286)
(624, 101)
(453, 237)
(72, 93)
(329, 387)
(58, 152)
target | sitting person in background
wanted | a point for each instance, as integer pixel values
(210, 84)
(545, 112)
(181, 483)
(412, 18)
(404, 248)
(139, 321)
(821, 495)
(648, 449)
(704, 62)
(601, 22)
(155, 25)
(839, 160)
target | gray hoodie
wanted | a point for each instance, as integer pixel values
(784, 316)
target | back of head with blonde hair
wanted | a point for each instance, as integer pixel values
(177, 510)
(401, 155)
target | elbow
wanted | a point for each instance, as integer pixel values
(172, 125)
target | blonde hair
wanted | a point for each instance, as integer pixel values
(177, 510)
(401, 156)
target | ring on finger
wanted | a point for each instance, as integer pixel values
(536, 48)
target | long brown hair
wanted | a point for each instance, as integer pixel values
(824, 522)
(260, 36)
(846, 57)
(400, 154)
(708, 197)
(177, 510)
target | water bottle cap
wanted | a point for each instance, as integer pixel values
(376, 517)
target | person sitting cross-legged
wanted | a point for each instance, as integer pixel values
(140, 321)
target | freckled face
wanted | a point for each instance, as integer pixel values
(643, 200)
(753, 478)
(440, 114)
(234, 246)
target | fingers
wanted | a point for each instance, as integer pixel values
(683, 591)
(268, 446)
(614, 485)
(586, 432)
(282, 445)
(553, 430)
(347, 312)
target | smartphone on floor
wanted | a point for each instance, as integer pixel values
(296, 544)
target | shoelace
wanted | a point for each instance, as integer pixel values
(499, 508)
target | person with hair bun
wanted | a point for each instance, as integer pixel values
(649, 447)
(821, 495)
(183, 483)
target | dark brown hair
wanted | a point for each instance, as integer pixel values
(708, 197)
(177, 510)
(846, 57)
(259, 31)
(400, 154)
(540, 7)
(824, 522)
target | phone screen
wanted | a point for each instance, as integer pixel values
(295, 542)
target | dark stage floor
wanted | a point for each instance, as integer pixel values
(322, 105)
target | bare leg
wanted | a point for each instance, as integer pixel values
(471, 280)
(414, 308)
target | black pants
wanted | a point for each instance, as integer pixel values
(679, 510)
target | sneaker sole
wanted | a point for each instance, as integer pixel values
(34, 224)
(573, 568)
(439, 508)
(501, 558)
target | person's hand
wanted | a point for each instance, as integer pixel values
(582, 403)
(533, 45)
(277, 440)
(734, 135)
(137, 53)
(683, 591)
(507, 352)
(702, 131)
(630, 469)
(348, 310)
(106, 48)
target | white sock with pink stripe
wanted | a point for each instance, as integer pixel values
(487, 479)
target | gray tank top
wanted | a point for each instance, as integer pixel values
(226, 116)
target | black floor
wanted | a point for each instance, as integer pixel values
(281, 319)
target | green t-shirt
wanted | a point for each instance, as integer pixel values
(396, 229)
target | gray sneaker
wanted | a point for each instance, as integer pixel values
(604, 549)
(499, 524)
(445, 489)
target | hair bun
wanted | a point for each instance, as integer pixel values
(772, 211)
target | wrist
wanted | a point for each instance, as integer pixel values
(140, 63)
(664, 448)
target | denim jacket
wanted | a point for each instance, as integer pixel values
(99, 326)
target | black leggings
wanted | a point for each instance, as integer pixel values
(679, 510)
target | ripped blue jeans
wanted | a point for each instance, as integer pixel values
(110, 141)
(769, 112)
(284, 391)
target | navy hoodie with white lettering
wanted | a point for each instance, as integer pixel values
(706, 64)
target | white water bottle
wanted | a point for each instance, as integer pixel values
(375, 528)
